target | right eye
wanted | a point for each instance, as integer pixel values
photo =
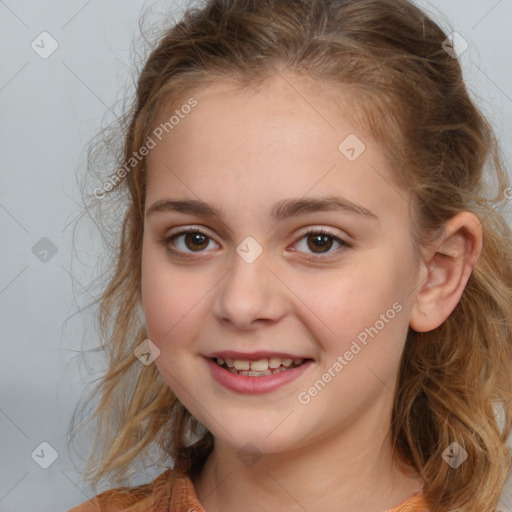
(188, 241)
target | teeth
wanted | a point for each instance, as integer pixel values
(257, 374)
(259, 367)
(274, 362)
(241, 365)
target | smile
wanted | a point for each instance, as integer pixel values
(256, 376)
(258, 368)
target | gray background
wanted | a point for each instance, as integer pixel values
(49, 110)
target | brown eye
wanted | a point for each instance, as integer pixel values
(189, 241)
(196, 241)
(320, 242)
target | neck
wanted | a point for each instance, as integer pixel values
(353, 471)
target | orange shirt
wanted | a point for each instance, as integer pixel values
(173, 491)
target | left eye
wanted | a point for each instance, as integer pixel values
(319, 242)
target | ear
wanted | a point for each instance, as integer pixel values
(445, 271)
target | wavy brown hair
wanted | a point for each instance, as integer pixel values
(455, 382)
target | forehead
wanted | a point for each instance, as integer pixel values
(289, 137)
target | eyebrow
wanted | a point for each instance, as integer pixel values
(280, 211)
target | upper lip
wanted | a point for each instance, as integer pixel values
(253, 356)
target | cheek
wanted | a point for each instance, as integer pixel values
(366, 303)
(360, 294)
(166, 295)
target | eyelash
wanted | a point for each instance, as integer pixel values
(320, 256)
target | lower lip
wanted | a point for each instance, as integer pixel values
(255, 385)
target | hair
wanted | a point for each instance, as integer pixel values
(455, 382)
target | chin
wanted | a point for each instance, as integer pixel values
(255, 435)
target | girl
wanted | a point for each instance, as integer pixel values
(322, 270)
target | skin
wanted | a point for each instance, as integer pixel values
(242, 151)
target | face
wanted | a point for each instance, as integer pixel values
(272, 234)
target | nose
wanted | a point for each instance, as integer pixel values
(250, 295)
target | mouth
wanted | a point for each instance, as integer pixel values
(260, 367)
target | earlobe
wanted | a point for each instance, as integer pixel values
(448, 267)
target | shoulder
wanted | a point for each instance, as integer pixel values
(171, 490)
